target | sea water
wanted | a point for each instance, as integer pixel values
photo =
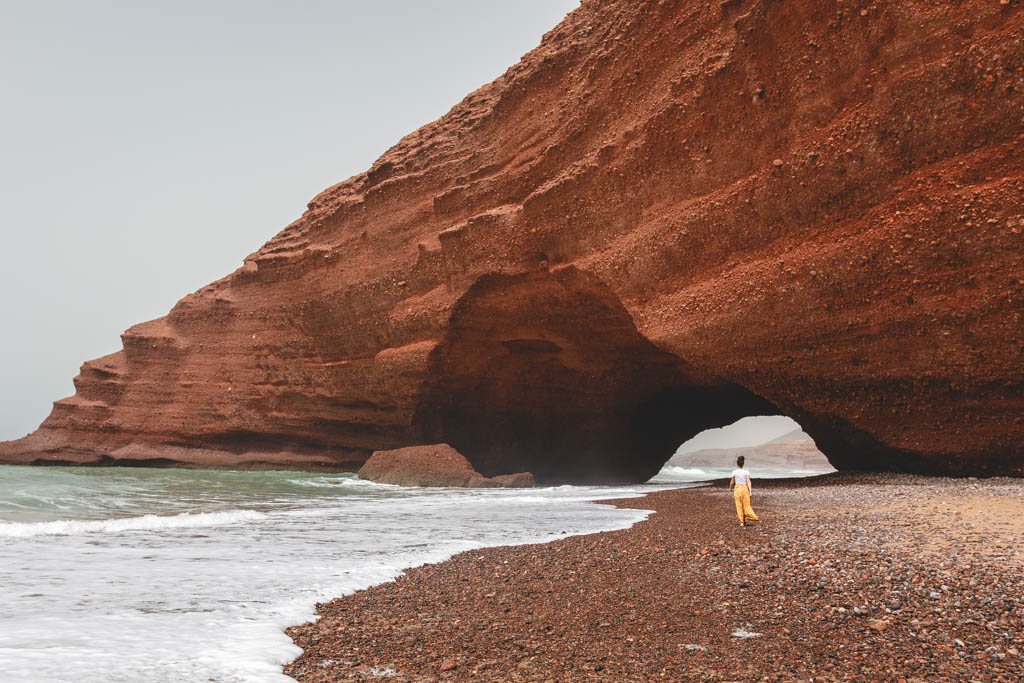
(673, 473)
(145, 575)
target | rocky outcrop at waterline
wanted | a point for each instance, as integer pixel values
(669, 215)
(434, 465)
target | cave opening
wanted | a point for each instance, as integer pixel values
(546, 372)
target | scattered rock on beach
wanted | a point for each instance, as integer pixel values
(434, 465)
(878, 624)
(661, 600)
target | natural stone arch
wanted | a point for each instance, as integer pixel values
(546, 372)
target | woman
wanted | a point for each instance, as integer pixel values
(740, 486)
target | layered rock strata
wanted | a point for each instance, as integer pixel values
(669, 215)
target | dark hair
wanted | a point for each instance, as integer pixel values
(739, 461)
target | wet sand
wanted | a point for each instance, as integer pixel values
(847, 577)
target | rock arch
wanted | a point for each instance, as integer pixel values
(545, 371)
(849, 251)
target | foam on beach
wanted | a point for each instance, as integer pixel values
(69, 527)
(128, 574)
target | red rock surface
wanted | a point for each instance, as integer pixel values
(434, 465)
(668, 215)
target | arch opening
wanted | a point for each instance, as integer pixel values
(773, 446)
(545, 372)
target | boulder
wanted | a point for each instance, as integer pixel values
(434, 465)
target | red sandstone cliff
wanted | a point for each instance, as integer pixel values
(669, 215)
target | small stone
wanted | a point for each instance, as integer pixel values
(448, 665)
(777, 163)
(878, 624)
(744, 634)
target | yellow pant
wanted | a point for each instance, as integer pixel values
(741, 494)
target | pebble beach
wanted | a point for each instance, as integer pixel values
(846, 577)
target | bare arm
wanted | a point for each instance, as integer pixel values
(731, 482)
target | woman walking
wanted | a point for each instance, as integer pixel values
(740, 487)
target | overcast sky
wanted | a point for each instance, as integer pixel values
(147, 147)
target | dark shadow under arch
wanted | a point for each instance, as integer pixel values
(546, 372)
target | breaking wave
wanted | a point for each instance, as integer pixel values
(64, 527)
(693, 472)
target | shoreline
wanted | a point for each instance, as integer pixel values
(873, 577)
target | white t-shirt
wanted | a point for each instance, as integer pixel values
(741, 477)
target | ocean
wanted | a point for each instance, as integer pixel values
(154, 575)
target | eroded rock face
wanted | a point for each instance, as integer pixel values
(434, 465)
(546, 370)
(668, 215)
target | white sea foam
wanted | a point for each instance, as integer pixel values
(688, 472)
(103, 584)
(348, 482)
(675, 473)
(71, 527)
